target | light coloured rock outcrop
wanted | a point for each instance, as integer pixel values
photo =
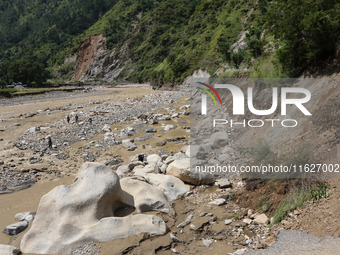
(144, 196)
(170, 185)
(181, 169)
(85, 211)
(8, 250)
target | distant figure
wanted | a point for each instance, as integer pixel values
(77, 118)
(141, 157)
(90, 121)
(68, 118)
(50, 142)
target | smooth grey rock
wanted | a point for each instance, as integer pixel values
(175, 238)
(169, 127)
(113, 161)
(223, 183)
(23, 215)
(133, 164)
(186, 222)
(207, 242)
(153, 159)
(15, 228)
(228, 222)
(87, 211)
(150, 130)
(128, 145)
(144, 196)
(219, 201)
(181, 169)
(247, 221)
(8, 250)
(107, 128)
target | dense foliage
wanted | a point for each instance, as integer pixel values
(25, 71)
(167, 39)
(309, 31)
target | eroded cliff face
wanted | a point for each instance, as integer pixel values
(90, 56)
(94, 61)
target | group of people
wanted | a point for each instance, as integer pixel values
(76, 118)
(68, 119)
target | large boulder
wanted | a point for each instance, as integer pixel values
(181, 169)
(8, 250)
(170, 185)
(87, 210)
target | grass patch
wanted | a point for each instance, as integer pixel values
(7, 92)
(298, 197)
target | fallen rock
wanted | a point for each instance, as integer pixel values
(142, 171)
(219, 201)
(25, 216)
(133, 164)
(107, 128)
(113, 161)
(223, 183)
(16, 228)
(8, 250)
(228, 222)
(153, 159)
(128, 145)
(170, 185)
(207, 242)
(169, 127)
(247, 221)
(122, 171)
(186, 222)
(261, 219)
(69, 216)
(150, 130)
(181, 169)
(175, 238)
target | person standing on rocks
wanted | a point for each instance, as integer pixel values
(68, 118)
(76, 118)
(90, 121)
(50, 142)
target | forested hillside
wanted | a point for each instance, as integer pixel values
(165, 41)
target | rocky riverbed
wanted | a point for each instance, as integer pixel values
(123, 163)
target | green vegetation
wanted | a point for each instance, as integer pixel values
(164, 41)
(24, 71)
(298, 197)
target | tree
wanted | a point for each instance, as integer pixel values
(308, 31)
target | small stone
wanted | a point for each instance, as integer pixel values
(261, 219)
(203, 214)
(218, 201)
(207, 242)
(175, 239)
(169, 127)
(15, 228)
(23, 215)
(150, 130)
(128, 145)
(185, 222)
(228, 222)
(296, 212)
(223, 183)
(247, 221)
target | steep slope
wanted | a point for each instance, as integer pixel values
(165, 41)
